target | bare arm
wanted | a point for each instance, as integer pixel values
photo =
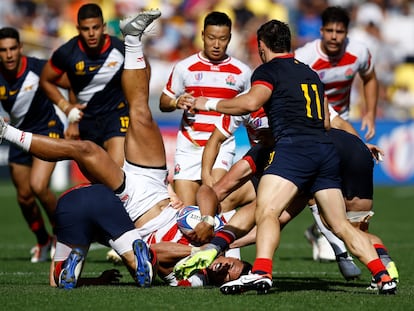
(210, 153)
(49, 80)
(168, 104)
(248, 102)
(371, 88)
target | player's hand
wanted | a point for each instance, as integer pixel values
(368, 124)
(185, 101)
(377, 152)
(74, 112)
(175, 202)
(202, 233)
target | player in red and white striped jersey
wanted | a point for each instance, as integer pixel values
(211, 73)
(337, 60)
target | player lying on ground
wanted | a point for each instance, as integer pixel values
(93, 213)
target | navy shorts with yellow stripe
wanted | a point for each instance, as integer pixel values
(91, 213)
(310, 166)
(356, 165)
(103, 127)
(53, 129)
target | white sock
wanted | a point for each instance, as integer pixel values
(18, 137)
(134, 56)
(337, 244)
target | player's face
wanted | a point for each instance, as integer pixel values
(224, 269)
(91, 32)
(215, 39)
(10, 54)
(333, 38)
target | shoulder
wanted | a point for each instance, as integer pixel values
(117, 43)
(357, 48)
(304, 50)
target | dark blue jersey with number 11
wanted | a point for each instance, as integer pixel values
(295, 109)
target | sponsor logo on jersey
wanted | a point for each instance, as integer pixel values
(114, 63)
(93, 68)
(13, 92)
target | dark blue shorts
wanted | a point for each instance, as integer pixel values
(91, 214)
(310, 166)
(103, 127)
(53, 129)
(356, 165)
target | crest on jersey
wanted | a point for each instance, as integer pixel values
(177, 169)
(349, 73)
(2, 92)
(231, 80)
(80, 68)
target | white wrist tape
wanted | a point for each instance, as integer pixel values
(74, 115)
(211, 104)
(208, 219)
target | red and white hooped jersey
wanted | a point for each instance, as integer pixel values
(337, 73)
(201, 77)
(254, 122)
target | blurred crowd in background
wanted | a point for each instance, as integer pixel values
(386, 26)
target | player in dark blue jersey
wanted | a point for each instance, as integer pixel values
(29, 110)
(93, 62)
(304, 162)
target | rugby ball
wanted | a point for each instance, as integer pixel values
(189, 216)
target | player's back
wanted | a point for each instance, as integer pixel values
(295, 109)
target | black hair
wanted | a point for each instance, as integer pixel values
(89, 10)
(9, 32)
(276, 35)
(217, 19)
(335, 14)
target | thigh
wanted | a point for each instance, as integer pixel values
(41, 172)
(274, 195)
(186, 190)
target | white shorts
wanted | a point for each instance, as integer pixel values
(144, 188)
(187, 161)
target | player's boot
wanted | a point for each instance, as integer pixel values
(2, 128)
(71, 269)
(326, 252)
(136, 25)
(259, 282)
(143, 262)
(386, 285)
(195, 262)
(41, 253)
(348, 268)
(311, 237)
(393, 271)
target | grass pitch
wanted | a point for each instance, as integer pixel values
(299, 282)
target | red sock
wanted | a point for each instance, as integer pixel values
(58, 269)
(262, 266)
(377, 268)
